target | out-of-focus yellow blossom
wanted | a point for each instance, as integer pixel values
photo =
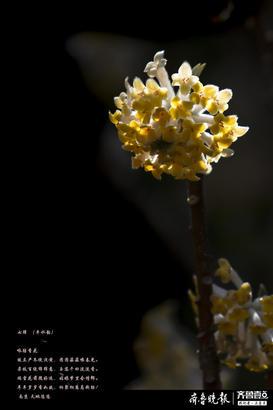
(242, 295)
(227, 327)
(268, 319)
(194, 298)
(179, 133)
(243, 325)
(267, 343)
(257, 363)
(231, 362)
(267, 304)
(238, 314)
(224, 270)
(219, 305)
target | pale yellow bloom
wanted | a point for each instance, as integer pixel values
(215, 101)
(184, 78)
(257, 363)
(179, 133)
(267, 304)
(153, 66)
(244, 327)
(231, 362)
(224, 270)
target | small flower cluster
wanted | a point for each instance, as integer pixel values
(244, 326)
(178, 133)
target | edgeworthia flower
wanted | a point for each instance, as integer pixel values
(179, 132)
(244, 325)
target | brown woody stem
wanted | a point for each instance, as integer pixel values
(208, 359)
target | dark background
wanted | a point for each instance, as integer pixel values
(88, 260)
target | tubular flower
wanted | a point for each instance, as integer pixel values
(179, 132)
(243, 325)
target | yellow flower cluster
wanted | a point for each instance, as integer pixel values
(244, 326)
(177, 133)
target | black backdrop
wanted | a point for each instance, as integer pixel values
(68, 216)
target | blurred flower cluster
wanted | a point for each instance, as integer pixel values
(180, 133)
(164, 352)
(244, 325)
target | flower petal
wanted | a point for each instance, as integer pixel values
(138, 85)
(198, 68)
(210, 90)
(240, 131)
(152, 85)
(159, 56)
(185, 70)
(224, 96)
